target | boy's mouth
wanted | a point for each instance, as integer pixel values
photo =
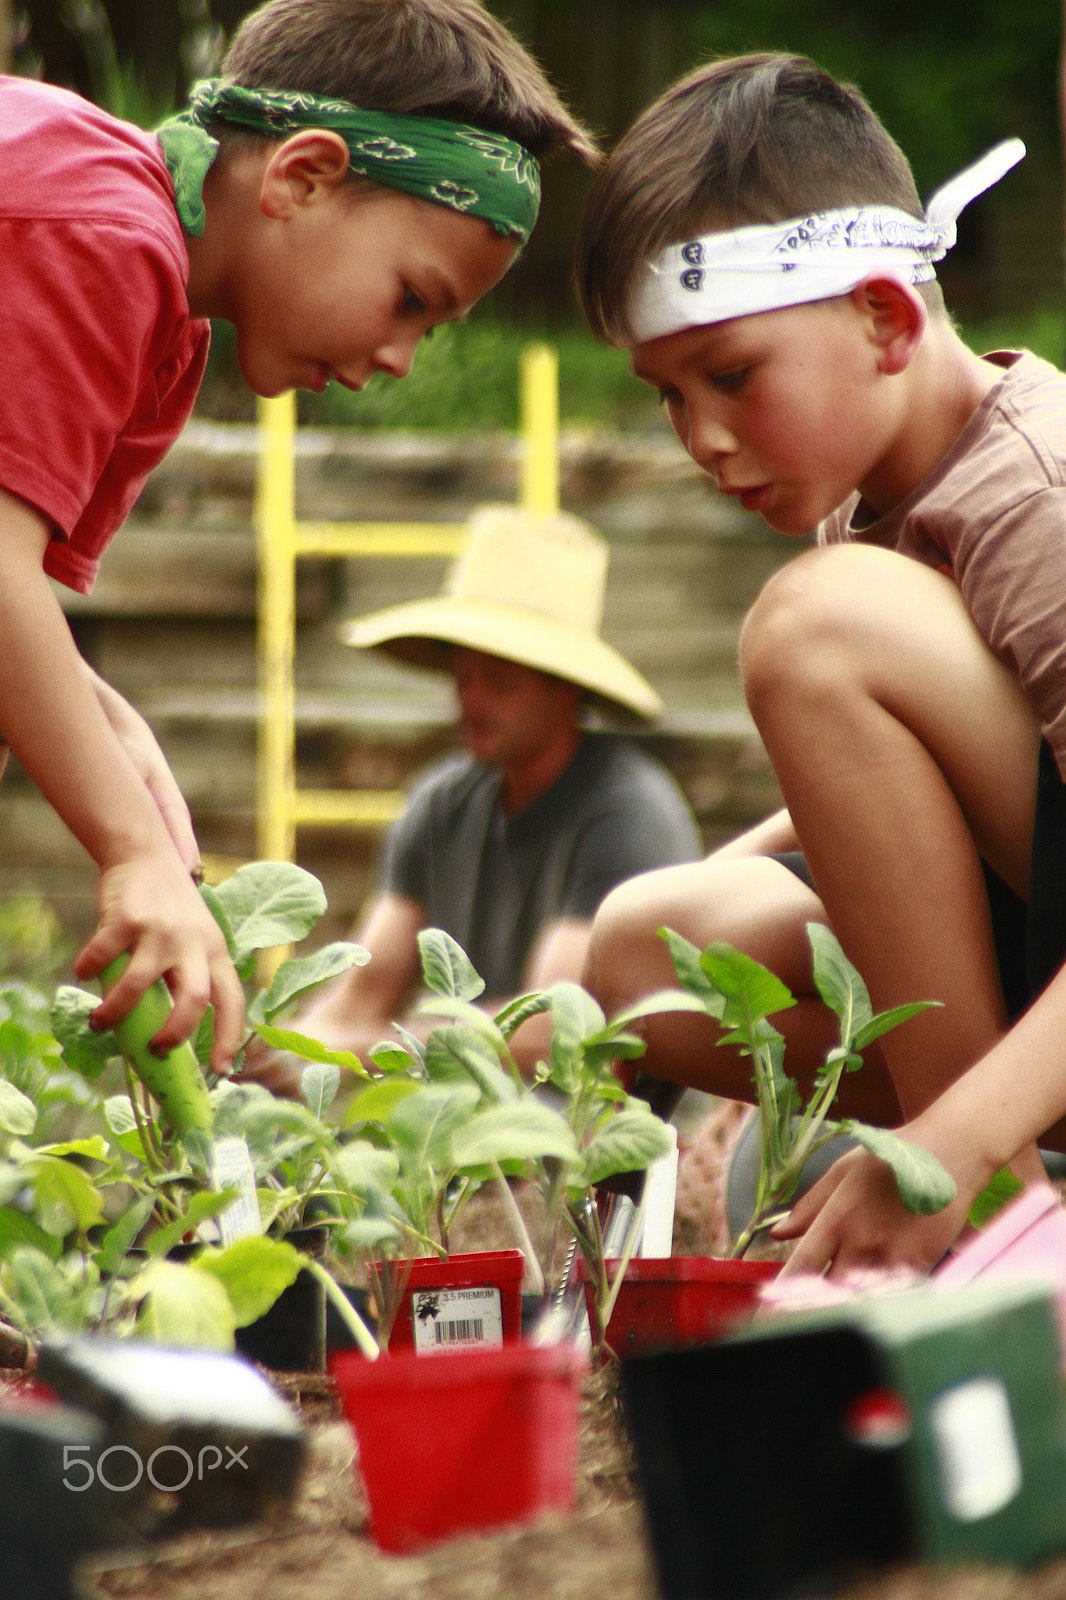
(756, 498)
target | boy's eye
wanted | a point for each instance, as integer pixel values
(669, 397)
(412, 304)
(730, 382)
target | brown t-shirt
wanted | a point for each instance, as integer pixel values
(992, 514)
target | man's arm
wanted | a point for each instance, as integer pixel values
(52, 718)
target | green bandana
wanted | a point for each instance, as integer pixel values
(450, 163)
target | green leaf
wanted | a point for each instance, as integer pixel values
(18, 1114)
(1002, 1188)
(64, 1196)
(42, 1289)
(83, 1050)
(17, 1229)
(630, 1142)
(119, 1239)
(923, 1184)
(371, 1233)
(838, 983)
(182, 1306)
(213, 901)
(389, 1057)
(206, 1203)
(751, 991)
(412, 1044)
(253, 1271)
(653, 1005)
(690, 973)
(308, 1049)
(423, 1126)
(519, 1010)
(361, 1166)
(118, 1114)
(94, 1148)
(520, 1132)
(459, 1047)
(298, 977)
(319, 1085)
(886, 1020)
(270, 903)
(377, 1103)
(445, 966)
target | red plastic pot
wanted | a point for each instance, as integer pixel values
(474, 1439)
(680, 1300)
(466, 1301)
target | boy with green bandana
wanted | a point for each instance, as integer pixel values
(363, 170)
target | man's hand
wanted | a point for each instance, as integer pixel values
(150, 907)
(854, 1219)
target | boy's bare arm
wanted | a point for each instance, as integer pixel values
(140, 744)
(52, 718)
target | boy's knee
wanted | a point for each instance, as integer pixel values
(623, 939)
(801, 630)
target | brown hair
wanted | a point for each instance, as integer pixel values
(440, 58)
(739, 141)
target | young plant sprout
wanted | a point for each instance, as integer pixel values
(741, 995)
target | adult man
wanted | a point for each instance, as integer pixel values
(511, 846)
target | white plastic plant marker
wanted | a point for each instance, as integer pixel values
(232, 1168)
(976, 1447)
(455, 1319)
(660, 1193)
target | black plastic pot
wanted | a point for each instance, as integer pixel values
(291, 1336)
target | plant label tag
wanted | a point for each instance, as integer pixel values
(980, 1468)
(452, 1319)
(660, 1195)
(232, 1169)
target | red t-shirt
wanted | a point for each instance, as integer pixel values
(100, 360)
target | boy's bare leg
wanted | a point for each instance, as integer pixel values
(744, 897)
(903, 748)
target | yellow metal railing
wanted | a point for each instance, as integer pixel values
(281, 540)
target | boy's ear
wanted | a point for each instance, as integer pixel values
(302, 168)
(896, 320)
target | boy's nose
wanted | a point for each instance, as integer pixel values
(709, 439)
(395, 358)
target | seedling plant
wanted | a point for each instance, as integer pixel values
(741, 995)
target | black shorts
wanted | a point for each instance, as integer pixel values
(1030, 937)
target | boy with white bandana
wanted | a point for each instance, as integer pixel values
(364, 170)
(756, 240)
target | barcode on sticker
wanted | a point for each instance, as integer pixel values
(468, 1330)
(446, 1318)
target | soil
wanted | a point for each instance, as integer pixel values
(322, 1546)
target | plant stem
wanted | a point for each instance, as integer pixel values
(347, 1312)
(147, 1147)
(533, 1267)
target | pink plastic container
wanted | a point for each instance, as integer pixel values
(679, 1300)
(472, 1299)
(1026, 1239)
(473, 1439)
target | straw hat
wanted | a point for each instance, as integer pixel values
(528, 588)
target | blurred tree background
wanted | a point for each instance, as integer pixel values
(948, 79)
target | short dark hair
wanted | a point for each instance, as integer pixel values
(738, 141)
(439, 58)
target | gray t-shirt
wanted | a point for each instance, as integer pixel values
(494, 881)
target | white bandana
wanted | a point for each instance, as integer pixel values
(746, 270)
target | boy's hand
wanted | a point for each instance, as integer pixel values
(150, 907)
(854, 1219)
